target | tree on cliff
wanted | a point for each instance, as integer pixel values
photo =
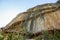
(58, 1)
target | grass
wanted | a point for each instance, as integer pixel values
(45, 35)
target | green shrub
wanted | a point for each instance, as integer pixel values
(46, 36)
(2, 35)
(9, 36)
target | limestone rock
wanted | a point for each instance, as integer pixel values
(33, 22)
(36, 19)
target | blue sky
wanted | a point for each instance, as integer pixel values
(10, 8)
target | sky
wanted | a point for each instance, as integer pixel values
(10, 8)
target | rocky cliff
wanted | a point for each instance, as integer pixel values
(36, 19)
(31, 23)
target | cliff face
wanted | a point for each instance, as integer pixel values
(35, 20)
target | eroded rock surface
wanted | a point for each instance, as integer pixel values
(34, 20)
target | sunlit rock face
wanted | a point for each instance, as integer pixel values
(43, 17)
(40, 18)
(36, 19)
